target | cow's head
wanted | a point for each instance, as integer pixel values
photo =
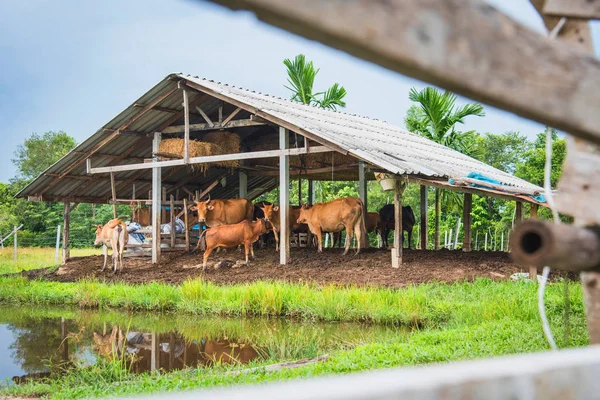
(203, 207)
(98, 240)
(264, 225)
(304, 214)
(269, 210)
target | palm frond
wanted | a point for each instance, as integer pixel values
(333, 97)
(301, 77)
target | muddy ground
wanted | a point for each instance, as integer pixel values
(371, 267)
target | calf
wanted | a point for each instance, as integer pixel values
(335, 216)
(113, 236)
(233, 235)
(271, 214)
(387, 215)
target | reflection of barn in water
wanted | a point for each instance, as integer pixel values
(146, 352)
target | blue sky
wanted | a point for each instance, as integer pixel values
(73, 65)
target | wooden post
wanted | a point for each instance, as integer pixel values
(172, 211)
(424, 222)
(397, 250)
(156, 205)
(186, 133)
(533, 211)
(164, 201)
(310, 195)
(518, 212)
(187, 227)
(438, 213)
(243, 178)
(284, 201)
(57, 244)
(155, 352)
(15, 243)
(467, 221)
(114, 194)
(66, 226)
(363, 194)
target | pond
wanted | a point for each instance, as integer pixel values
(33, 340)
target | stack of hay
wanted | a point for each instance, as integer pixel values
(214, 143)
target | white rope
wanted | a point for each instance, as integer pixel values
(550, 200)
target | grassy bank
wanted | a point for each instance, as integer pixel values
(36, 257)
(456, 321)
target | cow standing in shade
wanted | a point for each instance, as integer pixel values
(113, 236)
(223, 212)
(233, 235)
(388, 222)
(335, 216)
(271, 214)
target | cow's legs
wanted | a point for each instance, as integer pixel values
(205, 257)
(349, 236)
(247, 247)
(358, 234)
(276, 234)
(252, 249)
(409, 236)
(105, 253)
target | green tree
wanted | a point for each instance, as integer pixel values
(301, 79)
(531, 168)
(39, 152)
(435, 118)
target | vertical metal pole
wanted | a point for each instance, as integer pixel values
(243, 178)
(438, 215)
(485, 248)
(456, 234)
(397, 250)
(15, 243)
(156, 204)
(299, 191)
(424, 221)
(172, 220)
(363, 194)
(502, 242)
(446, 239)
(66, 225)
(450, 239)
(187, 227)
(477, 240)
(186, 137)
(57, 244)
(284, 198)
(310, 195)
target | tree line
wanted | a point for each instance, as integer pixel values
(433, 115)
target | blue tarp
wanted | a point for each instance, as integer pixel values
(541, 198)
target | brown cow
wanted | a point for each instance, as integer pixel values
(334, 216)
(272, 215)
(233, 235)
(223, 212)
(113, 236)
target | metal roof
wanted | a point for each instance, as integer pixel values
(377, 142)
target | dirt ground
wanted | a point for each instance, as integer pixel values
(371, 267)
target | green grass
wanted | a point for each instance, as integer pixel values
(450, 322)
(36, 257)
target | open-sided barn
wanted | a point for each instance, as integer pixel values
(278, 139)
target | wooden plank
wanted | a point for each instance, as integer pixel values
(157, 108)
(114, 194)
(166, 93)
(187, 226)
(156, 204)
(586, 9)
(208, 121)
(211, 159)
(467, 47)
(284, 197)
(424, 218)
(186, 133)
(467, 221)
(238, 123)
(230, 117)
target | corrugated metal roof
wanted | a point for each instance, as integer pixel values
(376, 142)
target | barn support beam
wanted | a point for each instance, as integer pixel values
(424, 219)
(114, 194)
(438, 213)
(284, 197)
(299, 191)
(156, 203)
(243, 180)
(310, 192)
(363, 194)
(533, 214)
(186, 132)
(66, 250)
(467, 221)
(397, 250)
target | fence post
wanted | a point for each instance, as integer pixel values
(15, 243)
(456, 234)
(57, 244)
(485, 247)
(502, 242)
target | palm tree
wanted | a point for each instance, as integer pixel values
(301, 78)
(435, 117)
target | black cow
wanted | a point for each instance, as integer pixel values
(388, 223)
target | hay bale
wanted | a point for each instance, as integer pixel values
(174, 147)
(229, 142)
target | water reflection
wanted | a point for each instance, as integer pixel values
(32, 340)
